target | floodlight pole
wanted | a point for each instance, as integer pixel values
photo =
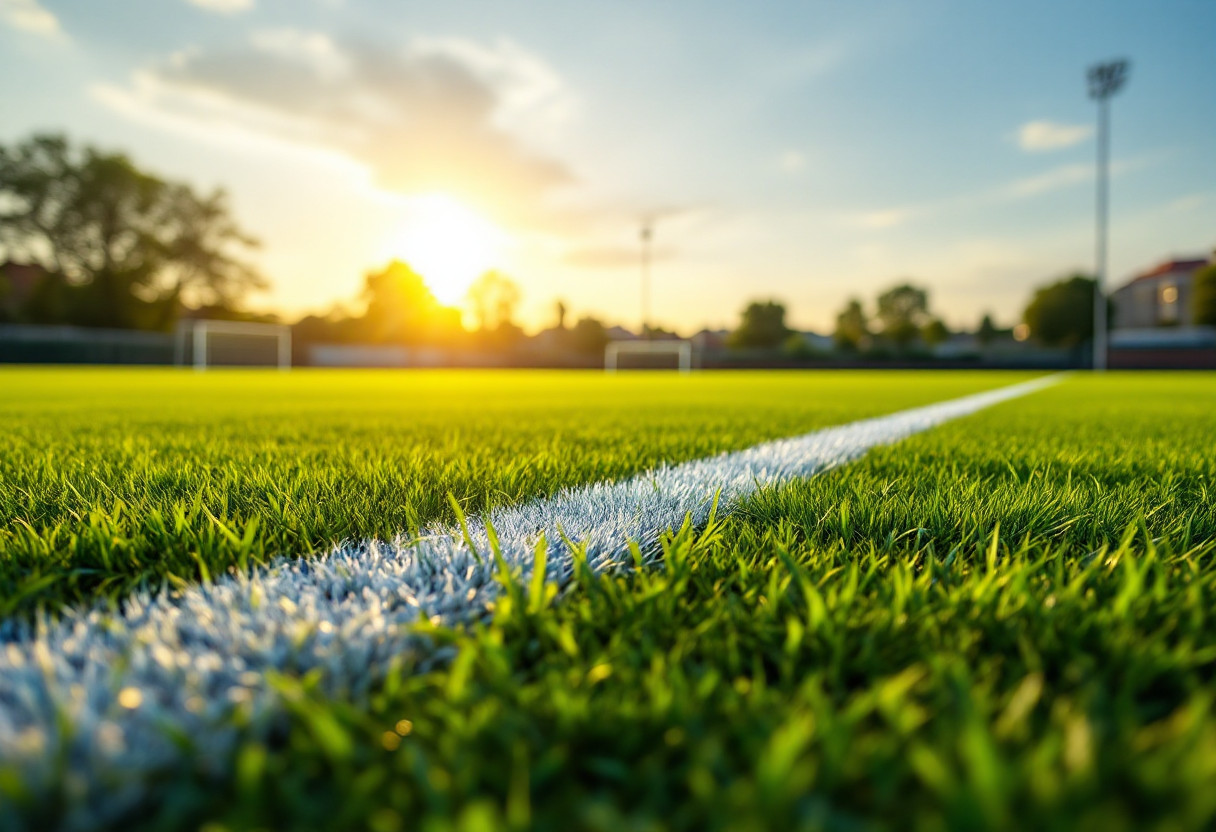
(647, 234)
(1104, 81)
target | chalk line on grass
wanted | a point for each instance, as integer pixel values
(100, 700)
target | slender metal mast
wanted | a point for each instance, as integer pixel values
(647, 234)
(1104, 81)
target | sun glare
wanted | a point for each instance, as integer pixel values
(448, 244)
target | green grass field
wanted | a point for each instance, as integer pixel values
(113, 479)
(1002, 623)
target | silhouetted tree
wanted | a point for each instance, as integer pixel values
(934, 332)
(1203, 295)
(401, 309)
(987, 332)
(494, 297)
(762, 326)
(129, 247)
(1062, 314)
(852, 328)
(797, 345)
(903, 310)
(589, 336)
(560, 309)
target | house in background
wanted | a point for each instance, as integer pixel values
(17, 284)
(1154, 324)
(1159, 297)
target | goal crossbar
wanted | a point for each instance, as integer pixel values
(682, 349)
(199, 330)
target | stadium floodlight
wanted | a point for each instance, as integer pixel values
(682, 349)
(1105, 80)
(647, 236)
(205, 343)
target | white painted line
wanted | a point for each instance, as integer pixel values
(186, 660)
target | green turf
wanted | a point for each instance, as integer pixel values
(1004, 623)
(112, 479)
(1001, 624)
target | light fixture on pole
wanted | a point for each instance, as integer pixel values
(647, 235)
(1105, 80)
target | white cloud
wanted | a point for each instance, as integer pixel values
(223, 6)
(1038, 136)
(29, 16)
(312, 48)
(436, 115)
(527, 88)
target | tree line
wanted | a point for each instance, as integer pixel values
(400, 309)
(901, 322)
(1060, 314)
(111, 245)
(117, 246)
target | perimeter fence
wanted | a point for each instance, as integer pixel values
(36, 344)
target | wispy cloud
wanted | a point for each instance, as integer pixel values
(447, 114)
(1039, 136)
(30, 16)
(1189, 202)
(810, 62)
(1057, 178)
(1052, 180)
(223, 6)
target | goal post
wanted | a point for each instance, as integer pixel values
(244, 344)
(681, 349)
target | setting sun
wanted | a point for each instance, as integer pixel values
(448, 244)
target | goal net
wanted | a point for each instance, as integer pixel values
(648, 355)
(203, 343)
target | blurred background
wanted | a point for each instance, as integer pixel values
(521, 183)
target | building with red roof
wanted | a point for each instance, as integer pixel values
(1160, 296)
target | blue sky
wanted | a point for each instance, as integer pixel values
(805, 151)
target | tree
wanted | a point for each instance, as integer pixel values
(935, 332)
(852, 328)
(401, 309)
(1062, 314)
(589, 336)
(1203, 295)
(494, 297)
(987, 332)
(762, 326)
(560, 309)
(798, 345)
(903, 310)
(130, 246)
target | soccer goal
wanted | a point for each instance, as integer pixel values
(681, 349)
(203, 344)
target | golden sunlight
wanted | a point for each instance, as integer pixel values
(448, 244)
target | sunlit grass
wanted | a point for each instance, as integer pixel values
(113, 479)
(1003, 623)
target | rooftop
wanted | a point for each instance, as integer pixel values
(1172, 267)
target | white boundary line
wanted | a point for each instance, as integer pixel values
(185, 660)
